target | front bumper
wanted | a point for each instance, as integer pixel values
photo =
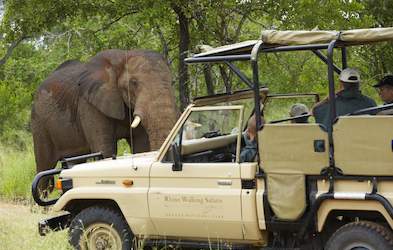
(56, 223)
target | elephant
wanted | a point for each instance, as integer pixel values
(86, 107)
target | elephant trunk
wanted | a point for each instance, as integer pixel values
(157, 116)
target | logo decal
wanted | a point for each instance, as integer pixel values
(106, 182)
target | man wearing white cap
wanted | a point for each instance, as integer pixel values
(348, 98)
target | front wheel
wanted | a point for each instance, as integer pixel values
(99, 228)
(363, 235)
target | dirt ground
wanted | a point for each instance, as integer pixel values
(19, 230)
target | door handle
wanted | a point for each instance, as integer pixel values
(224, 182)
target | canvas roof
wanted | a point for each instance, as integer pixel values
(235, 48)
(271, 38)
(357, 36)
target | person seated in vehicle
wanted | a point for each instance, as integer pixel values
(348, 99)
(385, 89)
(249, 151)
(190, 130)
(299, 109)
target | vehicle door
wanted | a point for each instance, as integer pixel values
(199, 193)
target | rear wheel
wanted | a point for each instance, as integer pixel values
(361, 235)
(99, 228)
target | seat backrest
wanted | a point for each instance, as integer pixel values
(363, 145)
(286, 148)
(287, 155)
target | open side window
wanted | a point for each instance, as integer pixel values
(277, 108)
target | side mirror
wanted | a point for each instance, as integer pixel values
(177, 165)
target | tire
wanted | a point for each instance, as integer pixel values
(363, 235)
(100, 228)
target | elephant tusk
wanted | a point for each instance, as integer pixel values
(135, 122)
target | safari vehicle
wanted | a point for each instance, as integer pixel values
(310, 186)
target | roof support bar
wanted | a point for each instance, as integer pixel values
(325, 60)
(255, 80)
(296, 48)
(245, 57)
(240, 74)
(257, 97)
(344, 57)
(332, 103)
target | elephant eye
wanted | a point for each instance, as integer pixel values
(133, 82)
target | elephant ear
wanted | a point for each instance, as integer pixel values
(98, 85)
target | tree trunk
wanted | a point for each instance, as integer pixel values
(184, 44)
(200, 17)
(207, 71)
(226, 79)
(13, 45)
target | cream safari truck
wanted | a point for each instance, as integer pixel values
(309, 187)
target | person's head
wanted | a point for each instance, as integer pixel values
(385, 88)
(349, 79)
(252, 127)
(299, 109)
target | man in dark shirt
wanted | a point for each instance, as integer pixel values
(385, 89)
(348, 98)
(249, 151)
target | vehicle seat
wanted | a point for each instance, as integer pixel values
(363, 145)
(289, 152)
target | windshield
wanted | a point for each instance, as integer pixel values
(211, 123)
(248, 108)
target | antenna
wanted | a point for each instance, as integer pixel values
(129, 106)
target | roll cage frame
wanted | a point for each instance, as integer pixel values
(329, 173)
(254, 84)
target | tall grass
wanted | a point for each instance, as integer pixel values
(17, 170)
(18, 230)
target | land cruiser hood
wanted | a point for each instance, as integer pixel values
(132, 165)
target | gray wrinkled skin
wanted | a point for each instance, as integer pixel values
(84, 107)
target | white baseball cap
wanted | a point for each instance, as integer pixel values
(350, 75)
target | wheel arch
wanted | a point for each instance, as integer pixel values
(76, 205)
(353, 208)
(132, 203)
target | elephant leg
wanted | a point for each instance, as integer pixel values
(45, 158)
(98, 129)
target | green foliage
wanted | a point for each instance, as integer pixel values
(19, 78)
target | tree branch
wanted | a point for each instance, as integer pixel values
(164, 43)
(240, 25)
(106, 26)
(10, 49)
